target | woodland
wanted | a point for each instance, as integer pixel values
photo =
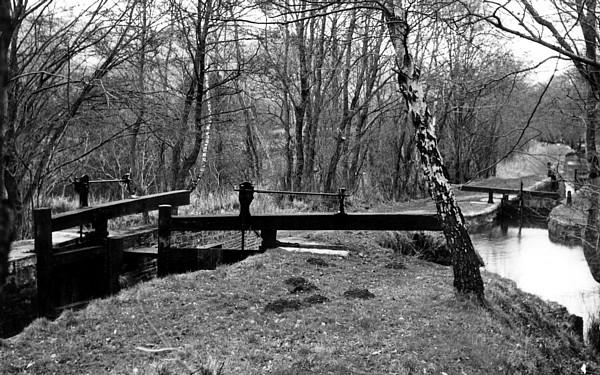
(294, 95)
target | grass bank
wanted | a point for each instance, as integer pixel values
(374, 312)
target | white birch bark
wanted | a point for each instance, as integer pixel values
(465, 260)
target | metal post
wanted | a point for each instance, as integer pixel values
(521, 198)
(491, 197)
(569, 198)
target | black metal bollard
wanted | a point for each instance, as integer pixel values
(82, 188)
(569, 198)
(126, 179)
(246, 195)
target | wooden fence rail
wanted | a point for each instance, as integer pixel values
(504, 191)
(270, 224)
(88, 267)
(358, 221)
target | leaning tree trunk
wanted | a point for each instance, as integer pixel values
(591, 235)
(465, 260)
(588, 23)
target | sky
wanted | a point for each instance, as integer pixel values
(527, 51)
(534, 53)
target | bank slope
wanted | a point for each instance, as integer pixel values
(373, 312)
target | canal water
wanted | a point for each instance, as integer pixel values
(539, 266)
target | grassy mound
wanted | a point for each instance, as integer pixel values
(219, 321)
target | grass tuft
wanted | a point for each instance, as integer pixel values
(359, 293)
(62, 204)
(317, 262)
(315, 299)
(299, 285)
(283, 304)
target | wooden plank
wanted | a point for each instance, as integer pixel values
(114, 251)
(74, 305)
(311, 245)
(312, 250)
(229, 256)
(192, 259)
(42, 225)
(136, 237)
(77, 255)
(531, 193)
(390, 221)
(143, 251)
(269, 239)
(212, 245)
(153, 251)
(164, 240)
(119, 208)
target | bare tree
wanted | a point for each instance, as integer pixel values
(571, 29)
(465, 260)
(47, 84)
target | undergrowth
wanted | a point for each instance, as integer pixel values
(430, 246)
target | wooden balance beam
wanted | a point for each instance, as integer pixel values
(506, 191)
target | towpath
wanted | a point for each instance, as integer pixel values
(472, 204)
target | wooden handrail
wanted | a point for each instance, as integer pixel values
(532, 193)
(119, 208)
(356, 221)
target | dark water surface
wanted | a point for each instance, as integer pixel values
(551, 271)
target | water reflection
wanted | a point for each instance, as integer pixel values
(554, 272)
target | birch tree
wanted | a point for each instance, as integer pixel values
(465, 260)
(203, 30)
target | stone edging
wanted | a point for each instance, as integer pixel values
(563, 229)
